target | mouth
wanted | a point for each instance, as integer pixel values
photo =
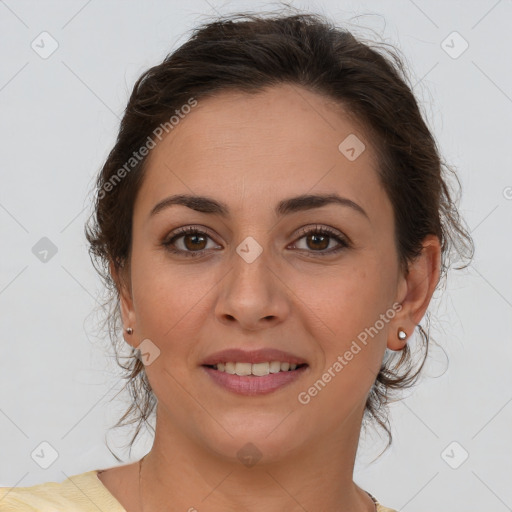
(262, 369)
(256, 372)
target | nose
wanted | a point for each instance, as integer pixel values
(252, 295)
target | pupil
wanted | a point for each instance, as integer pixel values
(324, 245)
(195, 237)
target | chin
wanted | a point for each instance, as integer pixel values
(259, 442)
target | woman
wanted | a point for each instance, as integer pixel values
(273, 221)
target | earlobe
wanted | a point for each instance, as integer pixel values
(421, 281)
(125, 303)
(399, 341)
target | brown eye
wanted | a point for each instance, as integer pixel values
(319, 238)
(192, 240)
(318, 241)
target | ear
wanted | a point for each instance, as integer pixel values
(123, 286)
(415, 291)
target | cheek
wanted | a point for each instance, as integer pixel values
(348, 305)
(169, 299)
(345, 312)
(341, 300)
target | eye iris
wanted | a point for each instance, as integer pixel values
(195, 236)
(317, 241)
(325, 240)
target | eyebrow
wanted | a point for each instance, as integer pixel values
(304, 202)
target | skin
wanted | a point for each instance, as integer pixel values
(251, 152)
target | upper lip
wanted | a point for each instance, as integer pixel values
(237, 355)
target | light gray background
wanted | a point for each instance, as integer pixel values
(59, 118)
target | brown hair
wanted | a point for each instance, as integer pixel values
(248, 52)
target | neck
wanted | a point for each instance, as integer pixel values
(316, 477)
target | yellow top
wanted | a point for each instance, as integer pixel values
(84, 492)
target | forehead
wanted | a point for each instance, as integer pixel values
(244, 148)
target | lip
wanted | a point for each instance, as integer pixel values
(236, 355)
(251, 385)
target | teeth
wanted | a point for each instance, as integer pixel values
(260, 369)
(257, 369)
(275, 367)
(243, 368)
(229, 368)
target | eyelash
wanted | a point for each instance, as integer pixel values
(192, 230)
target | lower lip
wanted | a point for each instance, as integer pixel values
(253, 385)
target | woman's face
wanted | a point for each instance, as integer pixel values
(254, 280)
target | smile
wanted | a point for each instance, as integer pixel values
(256, 378)
(256, 369)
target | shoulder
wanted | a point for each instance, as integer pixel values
(382, 508)
(83, 492)
(378, 506)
